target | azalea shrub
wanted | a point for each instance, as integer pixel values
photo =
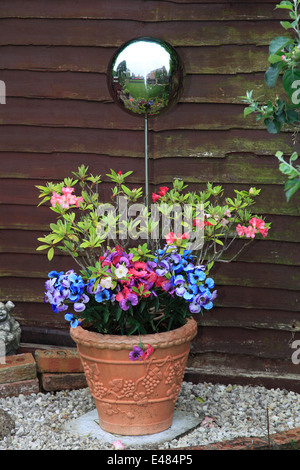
(126, 286)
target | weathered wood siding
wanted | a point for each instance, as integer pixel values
(59, 114)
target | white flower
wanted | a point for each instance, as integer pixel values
(121, 271)
(106, 283)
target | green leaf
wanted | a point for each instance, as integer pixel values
(278, 43)
(200, 399)
(273, 126)
(247, 111)
(272, 73)
(274, 58)
(286, 5)
(291, 186)
(286, 25)
(42, 247)
(50, 254)
(212, 221)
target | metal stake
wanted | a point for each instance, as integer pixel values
(146, 165)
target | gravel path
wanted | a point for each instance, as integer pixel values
(227, 412)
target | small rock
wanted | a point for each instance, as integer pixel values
(7, 424)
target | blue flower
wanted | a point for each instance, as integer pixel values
(55, 274)
(190, 293)
(210, 283)
(176, 261)
(105, 294)
(204, 299)
(73, 321)
(197, 275)
(187, 266)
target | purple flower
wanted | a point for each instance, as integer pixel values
(131, 299)
(136, 353)
(180, 291)
(79, 307)
(194, 307)
(163, 268)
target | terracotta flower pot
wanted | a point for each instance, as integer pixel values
(135, 397)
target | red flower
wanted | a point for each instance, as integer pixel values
(139, 269)
(160, 281)
(119, 172)
(155, 197)
(163, 190)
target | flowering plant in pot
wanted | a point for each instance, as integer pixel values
(138, 296)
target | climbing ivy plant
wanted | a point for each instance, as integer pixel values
(284, 59)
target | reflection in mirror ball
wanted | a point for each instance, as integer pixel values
(145, 76)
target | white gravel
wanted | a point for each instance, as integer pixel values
(227, 411)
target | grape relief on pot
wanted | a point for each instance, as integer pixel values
(166, 374)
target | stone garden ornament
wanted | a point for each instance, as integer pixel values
(10, 330)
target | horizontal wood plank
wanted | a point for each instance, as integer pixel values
(93, 115)
(174, 143)
(253, 342)
(112, 33)
(223, 59)
(93, 86)
(139, 10)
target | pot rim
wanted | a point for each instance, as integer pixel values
(181, 335)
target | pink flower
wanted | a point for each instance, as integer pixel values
(148, 352)
(240, 230)
(171, 238)
(184, 236)
(118, 445)
(250, 232)
(258, 223)
(67, 191)
(67, 199)
(55, 199)
(264, 231)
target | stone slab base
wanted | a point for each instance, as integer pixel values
(88, 424)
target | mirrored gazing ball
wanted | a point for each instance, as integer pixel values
(145, 76)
